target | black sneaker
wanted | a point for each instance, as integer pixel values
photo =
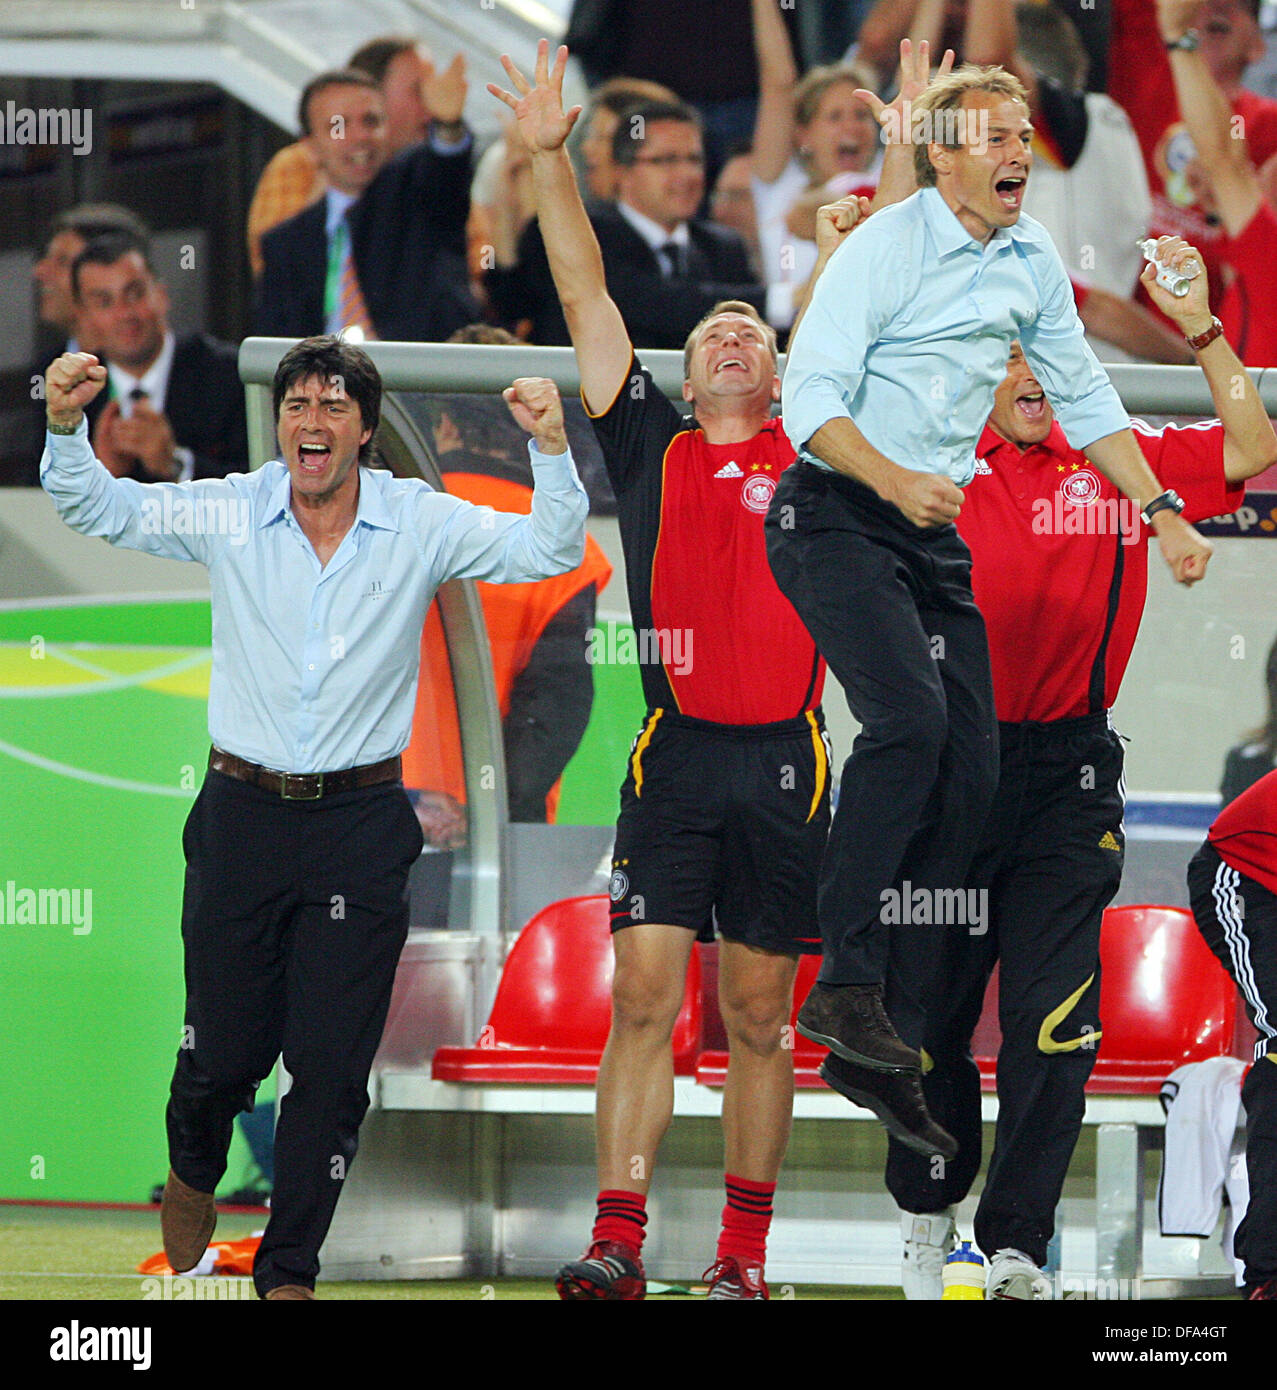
(607, 1270)
(897, 1100)
(851, 1021)
(1263, 1293)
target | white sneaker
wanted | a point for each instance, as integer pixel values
(927, 1240)
(1013, 1276)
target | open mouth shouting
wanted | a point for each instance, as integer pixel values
(1032, 406)
(313, 458)
(1010, 191)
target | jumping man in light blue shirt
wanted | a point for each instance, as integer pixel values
(890, 379)
(299, 844)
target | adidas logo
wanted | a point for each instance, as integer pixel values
(1109, 841)
(729, 470)
(982, 467)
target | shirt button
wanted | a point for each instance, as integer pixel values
(311, 667)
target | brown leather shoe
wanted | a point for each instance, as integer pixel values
(897, 1100)
(851, 1021)
(291, 1291)
(187, 1219)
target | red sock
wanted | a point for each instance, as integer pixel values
(747, 1217)
(621, 1217)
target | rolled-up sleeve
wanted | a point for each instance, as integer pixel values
(850, 305)
(1084, 399)
(507, 548)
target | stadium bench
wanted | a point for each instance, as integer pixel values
(549, 1022)
(1165, 1001)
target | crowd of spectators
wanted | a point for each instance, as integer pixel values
(704, 179)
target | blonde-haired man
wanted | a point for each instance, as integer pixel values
(725, 807)
(890, 380)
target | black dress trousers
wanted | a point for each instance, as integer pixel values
(293, 918)
(889, 605)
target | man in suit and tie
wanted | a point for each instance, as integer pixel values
(384, 249)
(665, 267)
(176, 406)
(59, 329)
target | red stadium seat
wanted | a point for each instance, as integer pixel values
(711, 1066)
(550, 1019)
(1164, 1001)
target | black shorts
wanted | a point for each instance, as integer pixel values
(722, 830)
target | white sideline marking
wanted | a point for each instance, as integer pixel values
(98, 779)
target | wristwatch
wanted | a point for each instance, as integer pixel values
(1187, 41)
(1205, 338)
(1170, 500)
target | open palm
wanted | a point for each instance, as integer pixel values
(538, 110)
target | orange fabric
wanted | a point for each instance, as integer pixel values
(516, 616)
(291, 181)
(231, 1257)
(353, 309)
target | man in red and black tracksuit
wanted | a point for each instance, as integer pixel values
(1060, 571)
(725, 805)
(1232, 884)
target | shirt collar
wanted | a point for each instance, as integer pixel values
(338, 205)
(652, 232)
(372, 509)
(154, 381)
(950, 235)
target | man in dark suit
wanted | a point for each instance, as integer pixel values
(59, 329)
(174, 407)
(384, 249)
(665, 267)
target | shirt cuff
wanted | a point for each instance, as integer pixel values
(807, 409)
(550, 470)
(66, 450)
(1085, 421)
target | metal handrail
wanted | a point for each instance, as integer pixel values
(486, 368)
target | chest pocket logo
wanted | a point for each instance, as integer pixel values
(758, 492)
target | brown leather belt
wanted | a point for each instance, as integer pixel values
(305, 786)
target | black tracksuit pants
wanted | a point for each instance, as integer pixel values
(889, 605)
(293, 918)
(1051, 862)
(1237, 917)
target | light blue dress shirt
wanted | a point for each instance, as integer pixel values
(315, 668)
(909, 330)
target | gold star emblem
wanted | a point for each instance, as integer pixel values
(1059, 468)
(1075, 466)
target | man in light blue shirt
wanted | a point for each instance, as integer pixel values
(299, 845)
(890, 379)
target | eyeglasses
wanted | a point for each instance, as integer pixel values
(668, 161)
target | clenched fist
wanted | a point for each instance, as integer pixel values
(69, 385)
(927, 499)
(534, 402)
